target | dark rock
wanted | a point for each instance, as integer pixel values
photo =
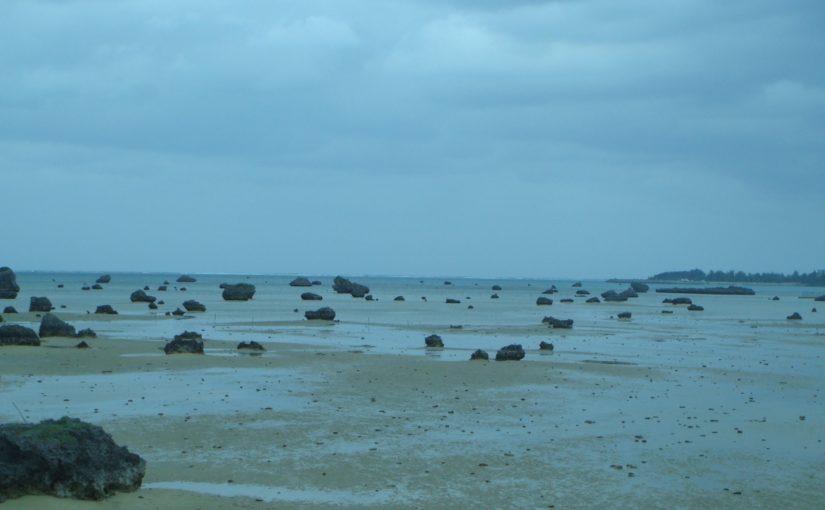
(678, 301)
(594, 299)
(106, 278)
(85, 287)
(316, 282)
(161, 302)
(153, 306)
(66, 458)
(193, 306)
(145, 287)
(166, 282)
(624, 315)
(86, 333)
(251, 345)
(820, 298)
(470, 307)
(496, 287)
(178, 312)
(309, 296)
(479, 355)
(106, 310)
(82, 345)
(8, 283)
(494, 296)
(183, 289)
(300, 282)
(343, 286)
(60, 285)
(695, 308)
(14, 334)
(775, 298)
(399, 298)
(188, 342)
(543, 301)
(730, 290)
(52, 325)
(794, 317)
(369, 297)
(577, 284)
(512, 352)
(238, 291)
(434, 341)
(162, 288)
(550, 291)
(97, 286)
(546, 346)
(448, 282)
(140, 296)
(813, 310)
(40, 304)
(9, 309)
(451, 301)
(324, 314)
(558, 323)
(582, 292)
(639, 287)
(667, 311)
(613, 296)
(566, 300)
(185, 278)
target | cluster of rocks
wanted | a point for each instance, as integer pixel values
(238, 291)
(730, 290)
(343, 286)
(611, 296)
(678, 301)
(558, 323)
(188, 342)
(639, 287)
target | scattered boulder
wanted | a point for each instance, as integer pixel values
(238, 291)
(140, 296)
(162, 288)
(193, 306)
(566, 300)
(251, 345)
(582, 292)
(639, 287)
(494, 296)
(678, 301)
(153, 306)
(178, 312)
(624, 315)
(512, 352)
(399, 298)
(323, 314)
(496, 287)
(14, 334)
(775, 298)
(434, 342)
(820, 298)
(730, 290)
(451, 301)
(106, 278)
(85, 287)
(300, 282)
(188, 342)
(97, 286)
(369, 297)
(794, 317)
(8, 283)
(696, 308)
(594, 299)
(82, 345)
(185, 278)
(558, 323)
(577, 284)
(66, 458)
(546, 346)
(543, 301)
(310, 296)
(813, 310)
(343, 286)
(667, 311)
(448, 282)
(105, 310)
(551, 290)
(52, 325)
(478, 354)
(316, 282)
(613, 296)
(9, 309)
(60, 285)
(40, 304)
(86, 333)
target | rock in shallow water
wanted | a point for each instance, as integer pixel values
(14, 334)
(52, 325)
(479, 355)
(66, 458)
(8, 283)
(512, 352)
(238, 291)
(40, 304)
(434, 342)
(325, 314)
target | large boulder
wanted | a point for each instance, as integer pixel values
(14, 334)
(52, 325)
(558, 323)
(639, 287)
(188, 342)
(106, 278)
(543, 301)
(310, 296)
(40, 304)
(105, 310)
(820, 298)
(185, 278)
(513, 352)
(343, 286)
(238, 291)
(140, 296)
(434, 341)
(8, 283)
(193, 306)
(479, 354)
(9, 309)
(301, 281)
(66, 458)
(323, 314)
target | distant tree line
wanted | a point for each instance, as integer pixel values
(697, 275)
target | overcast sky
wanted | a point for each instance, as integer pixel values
(590, 138)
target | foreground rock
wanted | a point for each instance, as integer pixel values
(434, 342)
(188, 342)
(40, 304)
(52, 325)
(194, 306)
(311, 296)
(512, 352)
(105, 310)
(14, 334)
(251, 345)
(343, 286)
(558, 323)
(106, 278)
(8, 283)
(66, 458)
(238, 291)
(140, 296)
(730, 290)
(185, 278)
(324, 314)
(300, 282)
(478, 354)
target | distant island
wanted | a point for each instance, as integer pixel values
(697, 275)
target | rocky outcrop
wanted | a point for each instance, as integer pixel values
(546, 346)
(193, 306)
(478, 354)
(543, 301)
(434, 342)
(188, 342)
(794, 317)
(140, 296)
(9, 309)
(624, 315)
(311, 296)
(614, 297)
(185, 278)
(639, 287)
(343, 286)
(551, 290)
(594, 299)
(238, 291)
(696, 308)
(512, 352)
(40, 304)
(558, 323)
(8, 283)
(730, 290)
(14, 334)
(52, 325)
(678, 301)
(820, 298)
(106, 310)
(300, 282)
(66, 458)
(322, 314)
(106, 278)
(251, 345)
